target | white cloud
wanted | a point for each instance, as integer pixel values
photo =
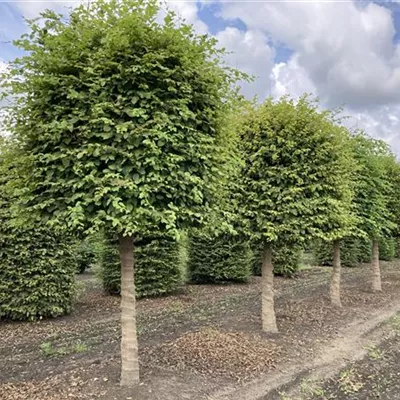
(188, 12)
(250, 53)
(32, 8)
(3, 132)
(291, 79)
(343, 52)
(380, 122)
(347, 51)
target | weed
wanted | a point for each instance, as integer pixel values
(374, 352)
(80, 347)
(49, 350)
(283, 396)
(311, 388)
(395, 323)
(349, 381)
(80, 289)
(175, 306)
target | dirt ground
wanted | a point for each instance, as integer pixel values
(205, 343)
(374, 376)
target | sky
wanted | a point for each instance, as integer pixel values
(345, 52)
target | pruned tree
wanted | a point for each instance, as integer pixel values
(394, 200)
(373, 195)
(121, 116)
(295, 181)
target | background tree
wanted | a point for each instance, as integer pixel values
(394, 200)
(121, 116)
(373, 193)
(295, 180)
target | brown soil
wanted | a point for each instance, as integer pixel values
(202, 343)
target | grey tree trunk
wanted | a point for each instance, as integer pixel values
(129, 343)
(375, 268)
(267, 290)
(336, 272)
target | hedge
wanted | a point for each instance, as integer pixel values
(387, 249)
(354, 251)
(85, 255)
(37, 274)
(37, 266)
(158, 267)
(286, 259)
(215, 258)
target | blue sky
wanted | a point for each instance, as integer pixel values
(346, 52)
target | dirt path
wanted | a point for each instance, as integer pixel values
(352, 343)
(368, 370)
(203, 343)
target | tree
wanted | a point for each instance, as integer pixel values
(295, 180)
(373, 194)
(394, 200)
(122, 117)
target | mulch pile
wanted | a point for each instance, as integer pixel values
(215, 353)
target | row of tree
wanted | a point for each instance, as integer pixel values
(127, 125)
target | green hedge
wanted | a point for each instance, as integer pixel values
(158, 266)
(352, 252)
(85, 255)
(218, 258)
(36, 274)
(37, 267)
(387, 249)
(286, 259)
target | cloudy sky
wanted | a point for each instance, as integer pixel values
(345, 52)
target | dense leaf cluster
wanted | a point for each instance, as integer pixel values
(286, 259)
(387, 248)
(158, 266)
(297, 172)
(37, 266)
(124, 127)
(353, 251)
(221, 257)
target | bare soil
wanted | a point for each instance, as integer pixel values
(375, 375)
(205, 342)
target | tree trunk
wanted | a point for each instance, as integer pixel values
(129, 344)
(335, 280)
(267, 282)
(376, 271)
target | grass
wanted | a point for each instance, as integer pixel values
(311, 388)
(349, 381)
(374, 353)
(49, 350)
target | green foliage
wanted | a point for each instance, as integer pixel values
(297, 172)
(375, 202)
(37, 266)
(353, 251)
(286, 259)
(122, 130)
(157, 269)
(218, 257)
(393, 174)
(387, 248)
(85, 255)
